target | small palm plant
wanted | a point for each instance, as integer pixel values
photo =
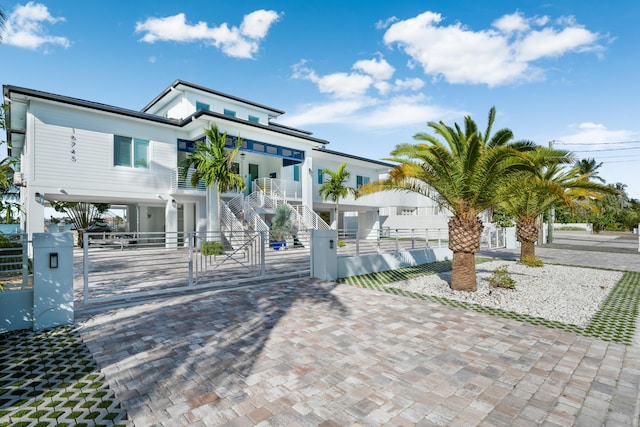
(281, 225)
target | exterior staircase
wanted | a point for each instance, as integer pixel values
(243, 212)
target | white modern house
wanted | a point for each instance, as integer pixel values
(76, 150)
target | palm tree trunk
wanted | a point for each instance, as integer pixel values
(527, 249)
(527, 234)
(337, 217)
(464, 242)
(463, 273)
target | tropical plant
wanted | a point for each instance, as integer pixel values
(81, 214)
(9, 193)
(588, 168)
(211, 162)
(335, 187)
(3, 18)
(281, 223)
(550, 185)
(464, 170)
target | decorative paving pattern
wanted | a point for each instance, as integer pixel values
(614, 322)
(50, 378)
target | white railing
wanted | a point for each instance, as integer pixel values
(180, 182)
(398, 239)
(275, 188)
(271, 196)
(311, 218)
(253, 219)
(232, 228)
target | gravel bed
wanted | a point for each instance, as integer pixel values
(570, 295)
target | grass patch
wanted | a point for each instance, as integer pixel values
(615, 321)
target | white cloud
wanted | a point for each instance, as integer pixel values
(496, 56)
(26, 27)
(237, 42)
(596, 133)
(372, 114)
(513, 23)
(361, 98)
(379, 69)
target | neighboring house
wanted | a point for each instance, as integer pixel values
(77, 150)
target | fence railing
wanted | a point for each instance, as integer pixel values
(363, 241)
(14, 261)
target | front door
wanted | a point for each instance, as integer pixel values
(253, 174)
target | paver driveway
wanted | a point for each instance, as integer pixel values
(307, 352)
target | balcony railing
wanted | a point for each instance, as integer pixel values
(181, 183)
(279, 188)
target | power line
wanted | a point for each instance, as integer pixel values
(633, 141)
(605, 149)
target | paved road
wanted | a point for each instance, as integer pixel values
(613, 251)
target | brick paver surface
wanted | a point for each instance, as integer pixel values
(306, 352)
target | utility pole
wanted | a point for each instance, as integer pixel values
(551, 216)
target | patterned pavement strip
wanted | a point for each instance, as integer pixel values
(49, 378)
(307, 352)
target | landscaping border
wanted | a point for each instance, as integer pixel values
(615, 321)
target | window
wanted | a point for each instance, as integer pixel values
(320, 177)
(130, 152)
(235, 168)
(296, 173)
(201, 106)
(361, 180)
(229, 113)
(254, 119)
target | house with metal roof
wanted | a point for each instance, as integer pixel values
(72, 149)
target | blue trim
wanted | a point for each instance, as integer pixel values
(250, 146)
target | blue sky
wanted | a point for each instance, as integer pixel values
(363, 75)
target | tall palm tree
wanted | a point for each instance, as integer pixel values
(335, 187)
(463, 170)
(550, 184)
(589, 169)
(211, 162)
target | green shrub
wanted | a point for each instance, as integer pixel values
(212, 248)
(500, 278)
(531, 261)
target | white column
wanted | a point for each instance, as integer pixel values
(212, 209)
(306, 179)
(171, 223)
(35, 208)
(188, 220)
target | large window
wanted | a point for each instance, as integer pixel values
(130, 152)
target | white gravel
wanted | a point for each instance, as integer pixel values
(569, 295)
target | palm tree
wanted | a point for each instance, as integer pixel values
(334, 188)
(464, 171)
(211, 162)
(589, 169)
(528, 197)
(3, 18)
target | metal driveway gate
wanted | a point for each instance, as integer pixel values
(123, 266)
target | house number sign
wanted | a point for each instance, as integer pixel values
(73, 145)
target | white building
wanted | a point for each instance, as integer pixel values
(77, 150)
